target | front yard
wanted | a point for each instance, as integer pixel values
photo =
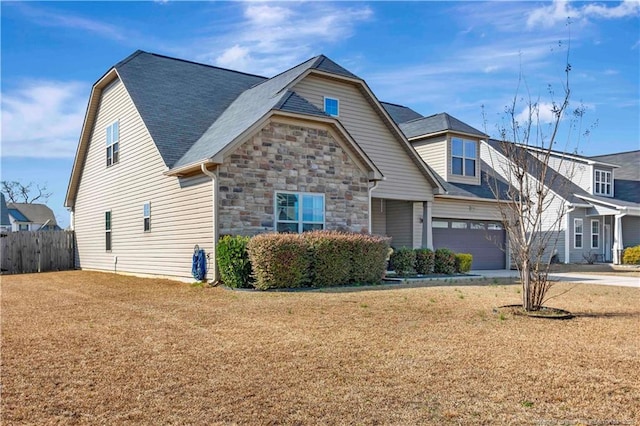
(89, 348)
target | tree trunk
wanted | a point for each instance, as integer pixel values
(525, 277)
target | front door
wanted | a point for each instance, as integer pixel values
(607, 242)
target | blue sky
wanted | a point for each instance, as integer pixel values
(434, 57)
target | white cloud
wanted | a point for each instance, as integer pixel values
(542, 113)
(270, 38)
(43, 119)
(559, 11)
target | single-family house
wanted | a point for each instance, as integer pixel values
(31, 217)
(598, 223)
(173, 154)
(5, 222)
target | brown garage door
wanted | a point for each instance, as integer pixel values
(484, 240)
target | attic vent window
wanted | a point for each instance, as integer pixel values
(113, 143)
(332, 106)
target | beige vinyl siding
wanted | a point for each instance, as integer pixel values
(579, 173)
(404, 180)
(434, 152)
(465, 209)
(181, 209)
(378, 216)
(630, 231)
(399, 223)
(418, 212)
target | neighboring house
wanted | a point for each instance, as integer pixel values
(173, 154)
(465, 217)
(598, 223)
(31, 217)
(5, 222)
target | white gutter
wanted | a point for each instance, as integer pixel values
(214, 217)
(567, 233)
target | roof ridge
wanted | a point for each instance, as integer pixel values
(614, 153)
(283, 72)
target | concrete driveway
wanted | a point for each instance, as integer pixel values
(600, 279)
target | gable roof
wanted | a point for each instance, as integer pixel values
(400, 113)
(4, 212)
(438, 123)
(177, 99)
(32, 212)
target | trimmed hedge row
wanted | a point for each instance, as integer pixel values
(311, 259)
(423, 261)
(631, 256)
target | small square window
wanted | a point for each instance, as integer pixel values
(332, 106)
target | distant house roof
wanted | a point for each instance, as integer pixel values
(4, 212)
(400, 113)
(437, 123)
(31, 212)
(626, 185)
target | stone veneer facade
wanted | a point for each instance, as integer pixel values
(285, 157)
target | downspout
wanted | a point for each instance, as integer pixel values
(371, 188)
(214, 217)
(567, 233)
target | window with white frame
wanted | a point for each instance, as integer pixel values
(107, 230)
(299, 212)
(332, 106)
(113, 143)
(595, 234)
(577, 233)
(146, 214)
(602, 184)
(463, 157)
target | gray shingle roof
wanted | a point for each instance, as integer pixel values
(178, 100)
(488, 181)
(437, 123)
(36, 213)
(254, 103)
(629, 163)
(400, 113)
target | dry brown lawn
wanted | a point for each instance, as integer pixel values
(92, 348)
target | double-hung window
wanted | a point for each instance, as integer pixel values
(577, 233)
(602, 183)
(299, 212)
(107, 230)
(595, 234)
(463, 157)
(113, 143)
(332, 106)
(146, 214)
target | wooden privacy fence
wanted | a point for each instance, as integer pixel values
(40, 251)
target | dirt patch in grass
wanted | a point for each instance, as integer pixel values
(91, 348)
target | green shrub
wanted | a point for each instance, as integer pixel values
(424, 261)
(444, 261)
(279, 261)
(330, 258)
(233, 261)
(631, 256)
(403, 261)
(463, 262)
(368, 258)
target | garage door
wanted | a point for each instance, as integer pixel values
(484, 240)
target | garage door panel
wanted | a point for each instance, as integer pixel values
(486, 246)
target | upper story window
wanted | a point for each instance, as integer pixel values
(602, 184)
(463, 157)
(299, 212)
(332, 106)
(146, 214)
(113, 143)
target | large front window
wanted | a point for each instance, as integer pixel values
(299, 212)
(463, 157)
(602, 183)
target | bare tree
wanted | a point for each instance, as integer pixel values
(534, 207)
(17, 192)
